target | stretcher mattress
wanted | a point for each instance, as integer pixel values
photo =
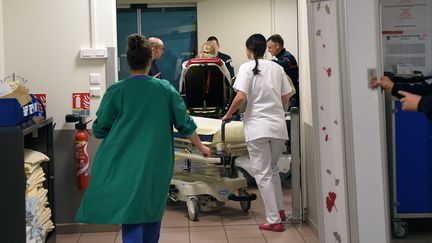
(209, 130)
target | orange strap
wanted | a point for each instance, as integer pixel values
(208, 82)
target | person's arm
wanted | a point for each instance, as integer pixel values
(108, 112)
(412, 102)
(289, 64)
(287, 90)
(425, 106)
(285, 101)
(195, 139)
(409, 101)
(241, 86)
(385, 83)
(184, 123)
(390, 87)
(423, 89)
(237, 102)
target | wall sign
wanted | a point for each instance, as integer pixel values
(41, 98)
(81, 104)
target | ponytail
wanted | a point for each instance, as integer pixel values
(257, 44)
(256, 70)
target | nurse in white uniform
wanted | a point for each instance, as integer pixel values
(266, 88)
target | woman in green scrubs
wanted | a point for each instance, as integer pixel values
(133, 166)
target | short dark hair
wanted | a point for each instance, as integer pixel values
(138, 52)
(276, 39)
(213, 38)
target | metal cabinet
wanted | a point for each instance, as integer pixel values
(13, 140)
(410, 157)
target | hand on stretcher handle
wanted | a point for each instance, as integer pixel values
(224, 122)
(197, 157)
(197, 142)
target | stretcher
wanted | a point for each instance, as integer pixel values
(205, 85)
(208, 188)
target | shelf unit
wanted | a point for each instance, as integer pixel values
(37, 136)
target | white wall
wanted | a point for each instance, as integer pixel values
(42, 43)
(285, 16)
(2, 66)
(232, 22)
(367, 128)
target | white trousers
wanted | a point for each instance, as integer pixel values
(264, 154)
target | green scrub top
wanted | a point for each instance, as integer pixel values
(133, 166)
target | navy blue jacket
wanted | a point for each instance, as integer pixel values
(289, 64)
(228, 62)
(154, 71)
(422, 89)
(425, 106)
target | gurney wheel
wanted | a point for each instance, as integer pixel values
(245, 205)
(193, 208)
(400, 229)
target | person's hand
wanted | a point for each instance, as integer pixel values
(374, 82)
(387, 84)
(384, 83)
(206, 151)
(227, 117)
(409, 101)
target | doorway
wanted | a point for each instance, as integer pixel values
(175, 26)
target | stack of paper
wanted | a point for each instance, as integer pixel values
(38, 213)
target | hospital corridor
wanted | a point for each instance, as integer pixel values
(216, 121)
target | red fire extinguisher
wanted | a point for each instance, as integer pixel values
(81, 150)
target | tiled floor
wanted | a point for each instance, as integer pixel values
(231, 225)
(228, 225)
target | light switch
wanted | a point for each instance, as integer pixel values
(93, 53)
(94, 78)
(95, 92)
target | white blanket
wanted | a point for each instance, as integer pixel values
(234, 132)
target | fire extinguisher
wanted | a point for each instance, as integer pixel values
(81, 150)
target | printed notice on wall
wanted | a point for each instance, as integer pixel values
(81, 104)
(406, 30)
(406, 47)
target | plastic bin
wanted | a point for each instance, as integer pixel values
(12, 113)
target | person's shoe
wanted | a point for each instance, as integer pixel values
(282, 215)
(272, 227)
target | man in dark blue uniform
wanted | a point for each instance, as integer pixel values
(157, 47)
(275, 45)
(224, 57)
